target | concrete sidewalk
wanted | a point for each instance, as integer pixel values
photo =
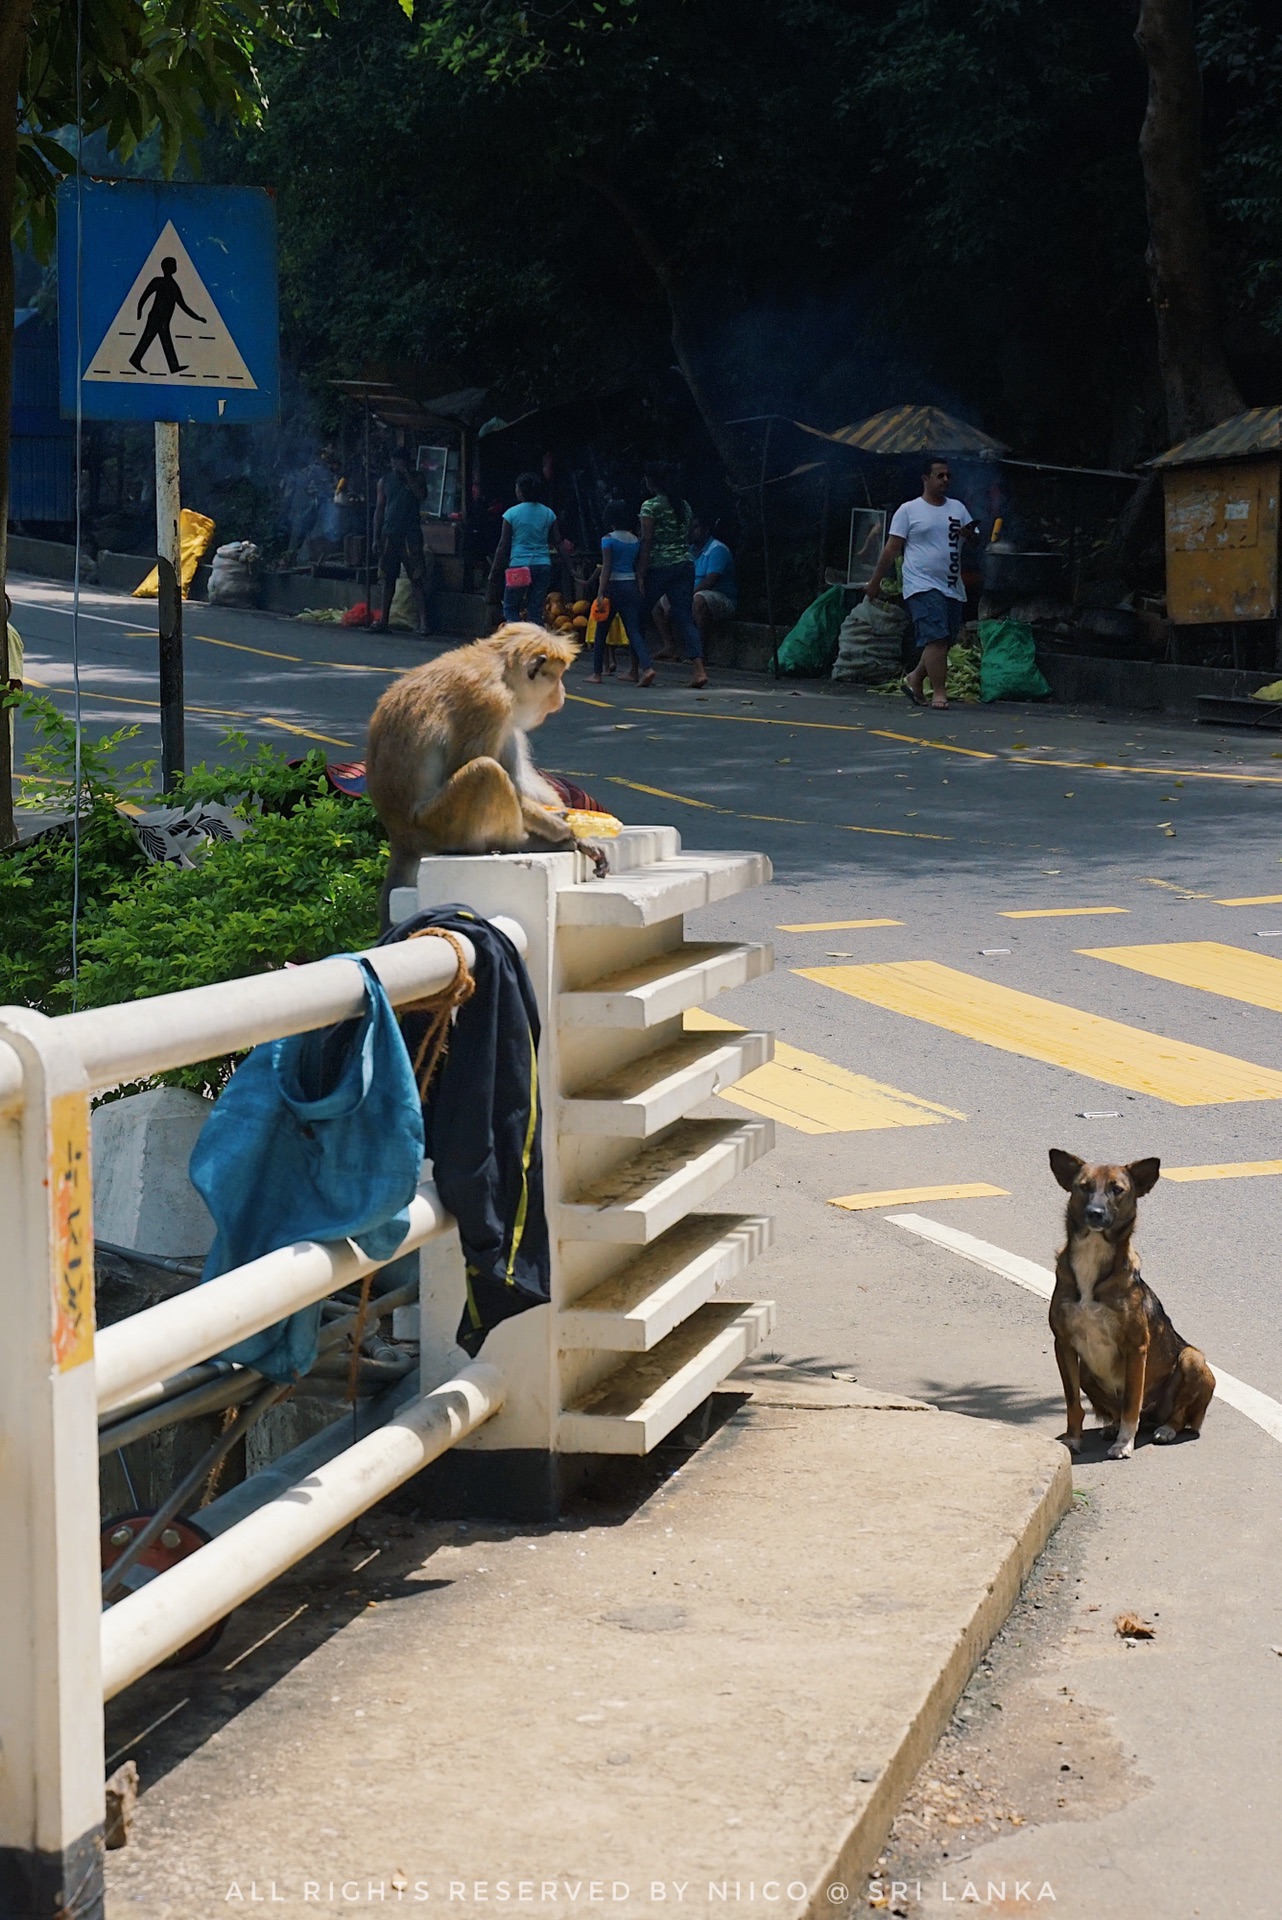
(714, 1698)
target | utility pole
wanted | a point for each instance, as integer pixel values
(169, 601)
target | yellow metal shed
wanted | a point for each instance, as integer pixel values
(1221, 490)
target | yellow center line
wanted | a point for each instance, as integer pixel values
(268, 653)
(1053, 913)
(215, 713)
(906, 1196)
(1253, 900)
(661, 793)
(938, 746)
(707, 806)
(1168, 773)
(1058, 1035)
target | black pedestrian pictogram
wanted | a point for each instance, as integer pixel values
(166, 297)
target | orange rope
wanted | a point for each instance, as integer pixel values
(441, 1007)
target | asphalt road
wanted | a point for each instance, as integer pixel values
(937, 825)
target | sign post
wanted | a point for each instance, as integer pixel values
(168, 313)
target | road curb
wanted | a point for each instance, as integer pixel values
(857, 1849)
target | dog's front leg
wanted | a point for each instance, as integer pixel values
(1070, 1373)
(1132, 1401)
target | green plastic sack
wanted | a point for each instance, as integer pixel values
(811, 647)
(1008, 668)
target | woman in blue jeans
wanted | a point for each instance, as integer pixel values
(664, 564)
(618, 585)
(525, 553)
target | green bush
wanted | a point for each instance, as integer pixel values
(303, 883)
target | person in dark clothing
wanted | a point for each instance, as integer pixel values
(481, 1124)
(166, 298)
(398, 536)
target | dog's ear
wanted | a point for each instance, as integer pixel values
(1066, 1167)
(1143, 1174)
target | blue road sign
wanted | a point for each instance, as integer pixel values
(177, 302)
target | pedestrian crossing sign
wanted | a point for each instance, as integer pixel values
(167, 302)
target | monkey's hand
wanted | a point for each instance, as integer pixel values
(597, 855)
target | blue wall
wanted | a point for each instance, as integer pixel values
(42, 454)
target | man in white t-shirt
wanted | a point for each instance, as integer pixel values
(929, 532)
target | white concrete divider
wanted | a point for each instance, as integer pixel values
(52, 1382)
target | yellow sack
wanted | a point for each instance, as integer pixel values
(615, 637)
(195, 531)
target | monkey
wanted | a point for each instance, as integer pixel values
(448, 766)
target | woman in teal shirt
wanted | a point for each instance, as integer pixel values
(526, 549)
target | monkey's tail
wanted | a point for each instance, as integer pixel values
(402, 871)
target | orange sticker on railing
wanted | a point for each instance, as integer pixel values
(71, 1203)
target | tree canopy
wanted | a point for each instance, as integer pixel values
(813, 207)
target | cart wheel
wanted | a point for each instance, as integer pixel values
(177, 1539)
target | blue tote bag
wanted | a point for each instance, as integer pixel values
(315, 1137)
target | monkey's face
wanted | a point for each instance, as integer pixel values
(537, 690)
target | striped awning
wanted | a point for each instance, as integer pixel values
(909, 430)
(1259, 430)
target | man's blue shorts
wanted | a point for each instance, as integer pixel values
(937, 618)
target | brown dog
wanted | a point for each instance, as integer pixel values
(1113, 1338)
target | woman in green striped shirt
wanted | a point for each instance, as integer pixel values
(664, 563)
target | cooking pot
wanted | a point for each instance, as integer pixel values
(1010, 574)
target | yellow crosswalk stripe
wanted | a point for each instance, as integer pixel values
(1225, 1170)
(834, 926)
(1054, 913)
(813, 1095)
(1253, 900)
(907, 1196)
(1210, 965)
(1046, 1030)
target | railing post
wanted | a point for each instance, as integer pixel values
(51, 1721)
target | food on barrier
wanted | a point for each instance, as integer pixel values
(592, 826)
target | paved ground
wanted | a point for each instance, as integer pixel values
(938, 825)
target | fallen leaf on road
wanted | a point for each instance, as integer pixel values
(1131, 1627)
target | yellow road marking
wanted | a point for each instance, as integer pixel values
(834, 926)
(1210, 965)
(895, 833)
(1060, 1036)
(239, 646)
(906, 1196)
(1253, 900)
(937, 746)
(661, 793)
(1226, 1170)
(814, 1095)
(215, 713)
(1054, 913)
(707, 806)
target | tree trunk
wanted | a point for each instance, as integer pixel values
(14, 15)
(682, 314)
(1199, 389)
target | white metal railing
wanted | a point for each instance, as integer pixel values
(61, 1654)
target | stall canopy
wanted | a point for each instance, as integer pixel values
(910, 430)
(1257, 431)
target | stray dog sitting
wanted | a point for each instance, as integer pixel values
(1113, 1338)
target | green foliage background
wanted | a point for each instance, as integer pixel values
(302, 884)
